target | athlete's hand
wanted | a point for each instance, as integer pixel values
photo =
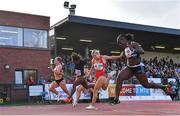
(51, 67)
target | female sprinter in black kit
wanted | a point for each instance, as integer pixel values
(134, 66)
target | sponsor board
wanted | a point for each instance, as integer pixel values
(35, 90)
(157, 92)
(129, 92)
(52, 96)
(111, 90)
(103, 94)
(141, 91)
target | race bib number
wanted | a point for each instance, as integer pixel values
(98, 66)
(128, 52)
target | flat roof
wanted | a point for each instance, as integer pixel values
(103, 34)
(117, 24)
(23, 13)
(9, 18)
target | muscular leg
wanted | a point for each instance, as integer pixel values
(63, 86)
(80, 80)
(124, 74)
(98, 85)
(85, 84)
(79, 89)
(144, 81)
(106, 83)
(52, 88)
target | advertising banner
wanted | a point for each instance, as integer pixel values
(128, 90)
(141, 91)
(52, 96)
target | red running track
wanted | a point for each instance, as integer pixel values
(124, 108)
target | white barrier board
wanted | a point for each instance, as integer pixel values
(35, 90)
(140, 93)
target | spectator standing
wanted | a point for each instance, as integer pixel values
(41, 80)
(30, 81)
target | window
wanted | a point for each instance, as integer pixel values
(30, 74)
(22, 76)
(11, 36)
(18, 77)
(35, 38)
(23, 37)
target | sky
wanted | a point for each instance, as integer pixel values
(162, 13)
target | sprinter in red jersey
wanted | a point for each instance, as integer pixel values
(99, 65)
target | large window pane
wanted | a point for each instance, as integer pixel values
(35, 38)
(11, 36)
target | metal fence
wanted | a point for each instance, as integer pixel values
(11, 93)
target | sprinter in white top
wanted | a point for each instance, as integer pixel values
(134, 67)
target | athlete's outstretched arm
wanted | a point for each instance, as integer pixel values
(120, 57)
